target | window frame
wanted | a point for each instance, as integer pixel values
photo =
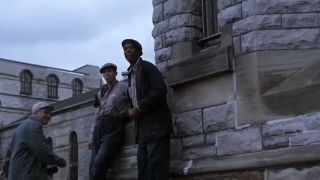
(52, 86)
(26, 78)
(77, 87)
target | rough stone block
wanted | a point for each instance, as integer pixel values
(189, 123)
(211, 139)
(307, 138)
(185, 20)
(306, 172)
(292, 6)
(239, 141)
(283, 126)
(300, 20)
(157, 13)
(160, 28)
(275, 142)
(229, 15)
(268, 21)
(193, 141)
(163, 54)
(222, 4)
(201, 152)
(219, 117)
(248, 8)
(311, 122)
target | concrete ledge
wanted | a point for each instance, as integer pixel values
(257, 160)
(204, 64)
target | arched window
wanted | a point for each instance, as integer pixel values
(52, 86)
(26, 82)
(73, 156)
(76, 87)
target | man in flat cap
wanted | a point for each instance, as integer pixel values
(147, 91)
(108, 130)
(30, 153)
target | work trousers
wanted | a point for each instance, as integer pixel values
(154, 159)
(108, 140)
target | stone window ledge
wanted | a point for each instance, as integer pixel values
(206, 63)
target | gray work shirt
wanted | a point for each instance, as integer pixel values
(115, 102)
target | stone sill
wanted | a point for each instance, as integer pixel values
(205, 63)
(256, 160)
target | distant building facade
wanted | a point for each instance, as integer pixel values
(243, 81)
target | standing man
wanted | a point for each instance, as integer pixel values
(30, 153)
(148, 91)
(108, 129)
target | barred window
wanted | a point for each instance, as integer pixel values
(52, 86)
(77, 87)
(209, 18)
(26, 82)
(210, 30)
(73, 155)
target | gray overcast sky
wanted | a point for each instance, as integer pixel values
(70, 33)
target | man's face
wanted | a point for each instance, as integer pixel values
(109, 74)
(43, 116)
(131, 53)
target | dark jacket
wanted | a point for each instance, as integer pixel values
(30, 153)
(155, 117)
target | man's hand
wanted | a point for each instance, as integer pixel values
(90, 145)
(134, 113)
(60, 162)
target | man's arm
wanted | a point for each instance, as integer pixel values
(37, 145)
(158, 88)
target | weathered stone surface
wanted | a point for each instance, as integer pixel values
(306, 138)
(211, 139)
(157, 13)
(293, 6)
(189, 123)
(200, 152)
(244, 25)
(239, 141)
(214, 91)
(158, 43)
(280, 39)
(193, 141)
(163, 54)
(311, 122)
(283, 126)
(268, 21)
(185, 20)
(173, 7)
(306, 172)
(219, 117)
(160, 28)
(222, 4)
(176, 149)
(275, 142)
(248, 8)
(229, 15)
(181, 34)
(300, 20)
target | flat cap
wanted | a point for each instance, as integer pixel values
(108, 65)
(134, 42)
(41, 105)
